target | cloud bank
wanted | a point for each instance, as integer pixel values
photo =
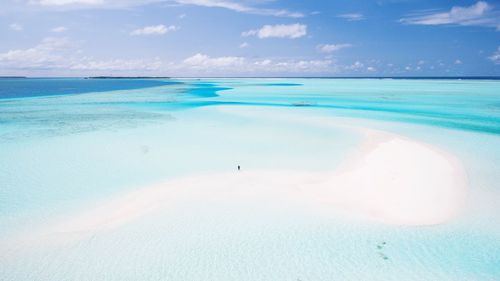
(223, 4)
(154, 30)
(291, 31)
(352, 16)
(479, 14)
(495, 57)
(330, 48)
(242, 8)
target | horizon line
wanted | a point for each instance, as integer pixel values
(253, 77)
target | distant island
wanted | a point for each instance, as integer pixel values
(13, 77)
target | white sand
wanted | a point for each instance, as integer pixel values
(399, 181)
(391, 179)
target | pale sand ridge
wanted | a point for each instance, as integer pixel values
(391, 179)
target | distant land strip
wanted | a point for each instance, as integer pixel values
(127, 77)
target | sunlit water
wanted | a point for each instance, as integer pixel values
(70, 144)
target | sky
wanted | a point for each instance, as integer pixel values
(257, 38)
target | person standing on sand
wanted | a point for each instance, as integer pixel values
(238, 167)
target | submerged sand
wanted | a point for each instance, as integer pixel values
(390, 179)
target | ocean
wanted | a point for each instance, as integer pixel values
(69, 144)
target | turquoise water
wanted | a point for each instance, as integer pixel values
(69, 144)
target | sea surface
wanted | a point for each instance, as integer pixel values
(67, 145)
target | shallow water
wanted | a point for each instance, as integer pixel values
(64, 151)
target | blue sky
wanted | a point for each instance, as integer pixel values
(249, 38)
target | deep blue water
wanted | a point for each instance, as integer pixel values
(19, 88)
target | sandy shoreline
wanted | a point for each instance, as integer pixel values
(397, 180)
(390, 179)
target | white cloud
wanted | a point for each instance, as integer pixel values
(181, 16)
(216, 4)
(89, 4)
(117, 65)
(242, 8)
(154, 30)
(330, 48)
(69, 2)
(61, 54)
(16, 26)
(300, 66)
(352, 16)
(48, 54)
(355, 66)
(244, 45)
(224, 4)
(457, 61)
(495, 57)
(479, 14)
(204, 61)
(203, 64)
(291, 31)
(359, 67)
(264, 62)
(59, 29)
